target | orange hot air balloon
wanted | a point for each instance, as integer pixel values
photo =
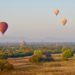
(63, 21)
(56, 11)
(3, 27)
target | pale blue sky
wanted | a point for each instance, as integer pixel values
(33, 20)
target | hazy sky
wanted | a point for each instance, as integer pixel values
(33, 20)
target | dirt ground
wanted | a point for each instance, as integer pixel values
(57, 67)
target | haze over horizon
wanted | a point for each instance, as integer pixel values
(33, 20)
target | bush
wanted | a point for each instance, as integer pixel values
(48, 56)
(38, 53)
(8, 66)
(4, 65)
(35, 58)
(63, 49)
(68, 53)
(3, 55)
(39, 56)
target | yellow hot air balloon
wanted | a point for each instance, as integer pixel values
(56, 11)
(63, 21)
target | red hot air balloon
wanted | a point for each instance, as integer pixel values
(56, 11)
(3, 27)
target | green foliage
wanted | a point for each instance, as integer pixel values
(3, 55)
(35, 59)
(37, 56)
(51, 51)
(38, 53)
(68, 53)
(63, 49)
(54, 51)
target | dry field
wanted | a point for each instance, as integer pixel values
(57, 67)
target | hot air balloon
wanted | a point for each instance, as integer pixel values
(63, 21)
(3, 27)
(56, 11)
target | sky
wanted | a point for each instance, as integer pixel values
(33, 20)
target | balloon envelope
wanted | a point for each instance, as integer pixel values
(56, 11)
(3, 27)
(63, 21)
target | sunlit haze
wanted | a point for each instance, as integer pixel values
(33, 20)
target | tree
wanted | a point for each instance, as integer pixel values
(63, 49)
(68, 53)
(37, 56)
(38, 53)
(35, 59)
